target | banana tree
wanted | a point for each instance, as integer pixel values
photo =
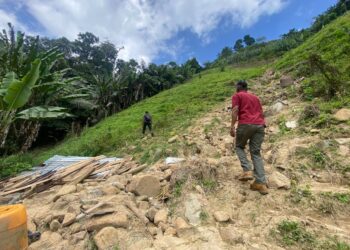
(14, 94)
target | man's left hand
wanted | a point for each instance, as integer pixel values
(233, 132)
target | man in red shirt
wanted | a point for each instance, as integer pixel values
(246, 108)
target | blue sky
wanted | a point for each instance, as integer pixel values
(163, 30)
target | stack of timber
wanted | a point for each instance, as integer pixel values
(83, 171)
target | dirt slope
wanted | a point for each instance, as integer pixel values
(202, 205)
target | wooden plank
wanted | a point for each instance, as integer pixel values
(84, 173)
(24, 187)
(77, 166)
(20, 183)
(136, 170)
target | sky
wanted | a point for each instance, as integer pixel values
(160, 31)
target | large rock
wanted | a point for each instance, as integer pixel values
(286, 81)
(231, 236)
(221, 216)
(193, 208)
(107, 238)
(110, 190)
(343, 141)
(146, 185)
(31, 225)
(144, 243)
(69, 219)
(179, 175)
(66, 189)
(161, 216)
(180, 224)
(49, 240)
(344, 150)
(182, 227)
(151, 213)
(54, 225)
(173, 139)
(291, 124)
(170, 242)
(278, 180)
(275, 109)
(112, 220)
(342, 115)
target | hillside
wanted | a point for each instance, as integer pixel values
(200, 203)
(332, 42)
(172, 110)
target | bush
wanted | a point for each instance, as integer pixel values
(14, 164)
(331, 83)
(292, 232)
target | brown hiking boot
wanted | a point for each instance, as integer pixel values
(260, 187)
(246, 176)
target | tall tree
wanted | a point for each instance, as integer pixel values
(226, 52)
(248, 40)
(238, 45)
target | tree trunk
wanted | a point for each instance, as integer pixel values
(6, 119)
(32, 135)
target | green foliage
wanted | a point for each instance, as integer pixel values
(341, 197)
(238, 45)
(40, 112)
(331, 83)
(282, 125)
(208, 184)
(178, 189)
(333, 243)
(17, 92)
(248, 40)
(291, 233)
(298, 194)
(316, 155)
(204, 216)
(332, 42)
(14, 164)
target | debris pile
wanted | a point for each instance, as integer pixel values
(93, 168)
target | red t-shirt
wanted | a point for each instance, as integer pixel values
(249, 108)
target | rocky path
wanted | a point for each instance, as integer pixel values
(199, 203)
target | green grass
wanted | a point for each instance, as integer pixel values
(332, 42)
(178, 189)
(292, 233)
(173, 111)
(341, 197)
(298, 194)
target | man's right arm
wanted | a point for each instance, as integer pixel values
(234, 115)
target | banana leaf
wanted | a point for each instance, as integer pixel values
(18, 92)
(43, 113)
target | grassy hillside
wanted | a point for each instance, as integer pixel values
(332, 43)
(172, 110)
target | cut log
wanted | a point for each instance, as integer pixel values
(136, 170)
(90, 210)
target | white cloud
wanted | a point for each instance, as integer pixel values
(6, 18)
(143, 27)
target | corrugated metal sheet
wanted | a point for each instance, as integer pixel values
(59, 161)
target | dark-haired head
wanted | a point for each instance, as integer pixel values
(146, 112)
(241, 85)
